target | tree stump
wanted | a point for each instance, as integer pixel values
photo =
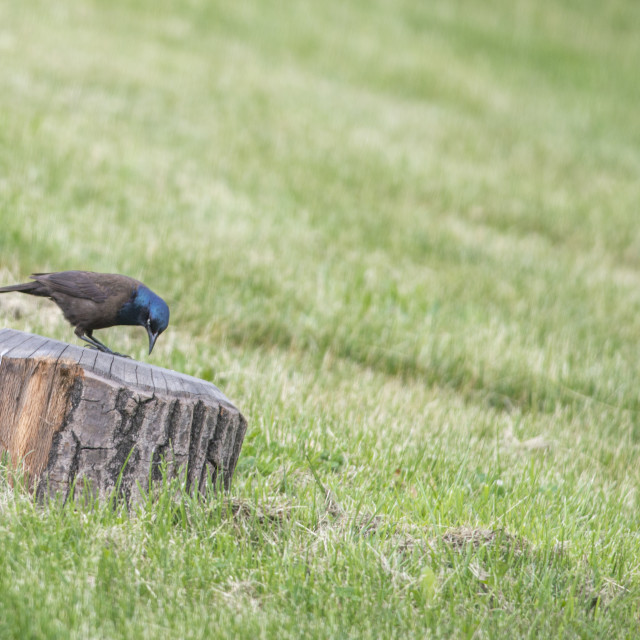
(77, 417)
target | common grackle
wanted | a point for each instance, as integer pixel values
(92, 301)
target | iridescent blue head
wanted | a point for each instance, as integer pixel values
(148, 310)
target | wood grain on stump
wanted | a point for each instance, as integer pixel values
(74, 416)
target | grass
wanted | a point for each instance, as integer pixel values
(403, 237)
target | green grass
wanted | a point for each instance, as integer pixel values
(403, 237)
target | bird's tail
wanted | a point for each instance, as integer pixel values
(33, 288)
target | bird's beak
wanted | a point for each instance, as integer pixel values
(152, 339)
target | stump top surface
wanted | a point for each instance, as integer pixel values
(140, 375)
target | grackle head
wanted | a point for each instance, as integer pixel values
(157, 320)
(148, 310)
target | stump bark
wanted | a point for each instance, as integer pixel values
(77, 417)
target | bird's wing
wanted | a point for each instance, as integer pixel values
(78, 284)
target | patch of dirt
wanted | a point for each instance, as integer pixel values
(459, 538)
(537, 443)
(245, 511)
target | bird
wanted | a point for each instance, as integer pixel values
(91, 301)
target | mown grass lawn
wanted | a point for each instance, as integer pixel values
(404, 238)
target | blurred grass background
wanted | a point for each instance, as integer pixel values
(403, 237)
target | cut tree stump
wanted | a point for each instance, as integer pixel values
(77, 417)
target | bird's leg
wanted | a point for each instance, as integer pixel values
(94, 342)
